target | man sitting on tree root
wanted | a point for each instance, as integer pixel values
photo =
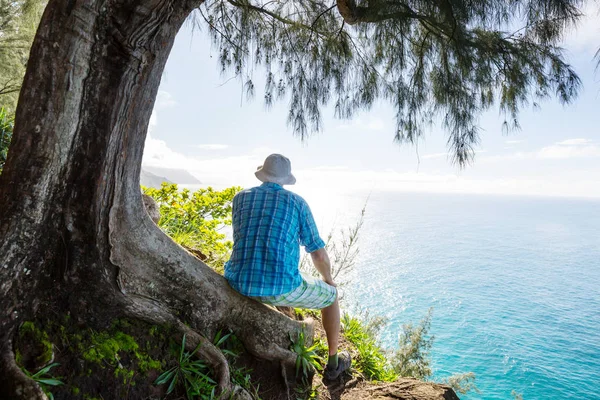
(269, 225)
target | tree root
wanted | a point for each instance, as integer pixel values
(14, 382)
(152, 312)
(211, 354)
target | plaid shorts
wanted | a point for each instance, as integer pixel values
(312, 293)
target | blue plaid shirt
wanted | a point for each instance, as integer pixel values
(269, 225)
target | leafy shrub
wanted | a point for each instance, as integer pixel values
(371, 359)
(195, 219)
(412, 358)
(306, 357)
(6, 129)
(462, 383)
(343, 251)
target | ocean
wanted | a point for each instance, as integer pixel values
(514, 284)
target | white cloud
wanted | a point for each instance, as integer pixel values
(158, 154)
(321, 180)
(570, 148)
(566, 149)
(373, 124)
(153, 120)
(164, 99)
(558, 151)
(213, 146)
(217, 171)
(434, 155)
(584, 37)
(571, 142)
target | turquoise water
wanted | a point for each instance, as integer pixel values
(514, 284)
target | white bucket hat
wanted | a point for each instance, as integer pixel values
(276, 169)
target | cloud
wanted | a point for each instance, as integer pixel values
(566, 149)
(213, 146)
(570, 142)
(323, 181)
(158, 154)
(373, 124)
(571, 148)
(514, 141)
(584, 37)
(434, 155)
(220, 171)
(153, 120)
(164, 99)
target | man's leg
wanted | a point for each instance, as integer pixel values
(315, 294)
(336, 363)
(331, 323)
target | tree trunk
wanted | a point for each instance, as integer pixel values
(73, 230)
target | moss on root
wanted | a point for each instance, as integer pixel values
(121, 361)
(33, 349)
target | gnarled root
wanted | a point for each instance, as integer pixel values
(149, 311)
(14, 382)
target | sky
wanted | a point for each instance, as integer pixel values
(202, 123)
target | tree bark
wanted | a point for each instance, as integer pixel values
(347, 9)
(73, 230)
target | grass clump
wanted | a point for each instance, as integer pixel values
(371, 359)
(44, 379)
(306, 357)
(191, 372)
(194, 377)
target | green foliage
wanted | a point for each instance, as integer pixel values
(109, 347)
(44, 379)
(232, 347)
(345, 250)
(371, 359)
(18, 23)
(342, 250)
(321, 349)
(192, 372)
(112, 349)
(106, 347)
(28, 332)
(412, 358)
(462, 383)
(433, 61)
(6, 129)
(304, 313)
(193, 219)
(306, 357)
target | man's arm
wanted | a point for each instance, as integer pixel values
(321, 261)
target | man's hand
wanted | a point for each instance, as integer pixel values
(330, 282)
(321, 261)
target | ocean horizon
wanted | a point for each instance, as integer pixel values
(513, 284)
